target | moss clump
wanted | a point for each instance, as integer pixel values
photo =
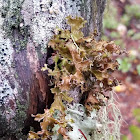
(14, 24)
(136, 36)
(13, 129)
(3, 126)
(110, 17)
(20, 117)
(133, 10)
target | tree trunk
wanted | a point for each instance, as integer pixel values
(25, 28)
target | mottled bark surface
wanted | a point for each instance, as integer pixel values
(25, 28)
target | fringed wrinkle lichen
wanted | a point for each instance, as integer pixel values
(81, 80)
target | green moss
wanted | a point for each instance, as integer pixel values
(7, 131)
(136, 112)
(110, 18)
(125, 19)
(124, 137)
(12, 23)
(135, 132)
(19, 119)
(114, 35)
(136, 36)
(138, 70)
(110, 23)
(125, 64)
(14, 127)
(105, 38)
(21, 110)
(130, 32)
(3, 125)
(119, 42)
(133, 10)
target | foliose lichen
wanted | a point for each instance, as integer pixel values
(84, 64)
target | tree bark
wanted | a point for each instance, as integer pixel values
(25, 28)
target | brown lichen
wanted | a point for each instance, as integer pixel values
(80, 62)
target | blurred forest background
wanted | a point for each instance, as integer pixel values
(122, 25)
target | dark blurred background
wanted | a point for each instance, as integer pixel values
(122, 25)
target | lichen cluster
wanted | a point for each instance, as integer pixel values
(13, 24)
(81, 74)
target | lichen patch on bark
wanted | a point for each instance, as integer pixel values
(25, 28)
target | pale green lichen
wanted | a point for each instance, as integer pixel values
(110, 127)
(81, 122)
(50, 14)
(14, 24)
